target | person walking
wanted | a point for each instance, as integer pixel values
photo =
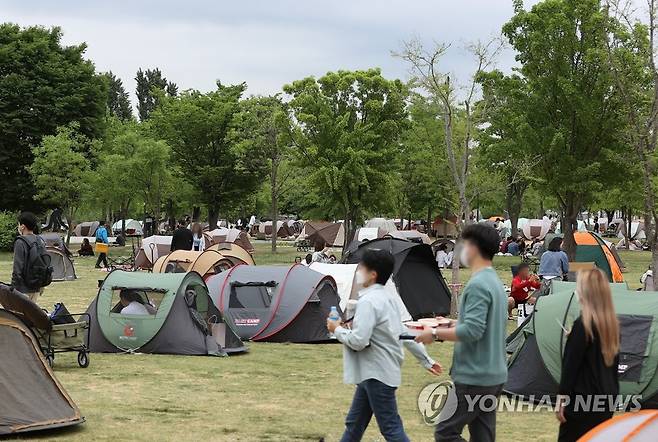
(479, 366)
(373, 353)
(182, 238)
(591, 357)
(101, 238)
(31, 269)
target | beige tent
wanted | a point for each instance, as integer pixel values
(369, 233)
(324, 232)
(445, 228)
(208, 262)
(234, 252)
(386, 225)
(411, 235)
(283, 229)
(152, 248)
(236, 236)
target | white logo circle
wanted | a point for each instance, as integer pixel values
(437, 402)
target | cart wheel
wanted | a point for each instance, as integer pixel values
(83, 359)
(51, 360)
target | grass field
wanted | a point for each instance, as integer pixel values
(276, 392)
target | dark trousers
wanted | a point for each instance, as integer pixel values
(579, 422)
(102, 257)
(481, 423)
(374, 397)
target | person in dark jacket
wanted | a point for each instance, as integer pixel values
(182, 239)
(85, 248)
(591, 355)
(27, 229)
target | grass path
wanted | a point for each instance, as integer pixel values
(277, 392)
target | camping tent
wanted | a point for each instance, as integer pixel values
(63, 269)
(535, 366)
(152, 248)
(640, 426)
(87, 228)
(324, 232)
(233, 251)
(637, 230)
(133, 227)
(445, 228)
(536, 229)
(276, 303)
(205, 263)
(283, 229)
(183, 319)
(236, 236)
(417, 277)
(386, 225)
(411, 235)
(32, 398)
(348, 288)
(369, 233)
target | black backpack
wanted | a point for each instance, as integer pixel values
(38, 271)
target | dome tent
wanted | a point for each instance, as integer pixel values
(152, 248)
(640, 426)
(205, 263)
(86, 228)
(235, 252)
(536, 362)
(63, 269)
(234, 236)
(32, 397)
(416, 275)
(183, 319)
(320, 232)
(275, 303)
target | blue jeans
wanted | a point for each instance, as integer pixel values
(372, 396)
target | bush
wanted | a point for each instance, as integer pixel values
(7, 231)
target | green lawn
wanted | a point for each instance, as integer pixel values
(276, 392)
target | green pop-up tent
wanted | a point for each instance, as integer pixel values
(181, 319)
(535, 365)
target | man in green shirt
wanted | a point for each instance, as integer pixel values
(478, 367)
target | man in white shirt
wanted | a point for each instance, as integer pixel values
(373, 354)
(132, 304)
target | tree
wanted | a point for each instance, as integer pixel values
(43, 85)
(200, 129)
(118, 103)
(429, 76)
(151, 86)
(59, 170)
(573, 101)
(263, 126)
(506, 139)
(348, 134)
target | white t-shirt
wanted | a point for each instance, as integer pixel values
(442, 259)
(134, 308)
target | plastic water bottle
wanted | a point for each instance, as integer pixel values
(334, 315)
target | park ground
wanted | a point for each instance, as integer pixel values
(276, 392)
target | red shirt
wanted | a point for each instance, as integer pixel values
(521, 288)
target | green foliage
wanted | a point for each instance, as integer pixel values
(205, 141)
(151, 86)
(350, 124)
(118, 103)
(60, 168)
(43, 85)
(7, 231)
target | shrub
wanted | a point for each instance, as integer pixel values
(7, 231)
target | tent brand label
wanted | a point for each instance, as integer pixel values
(255, 321)
(128, 333)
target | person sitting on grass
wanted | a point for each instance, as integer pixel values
(373, 354)
(86, 249)
(523, 286)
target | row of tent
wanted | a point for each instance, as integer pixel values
(259, 303)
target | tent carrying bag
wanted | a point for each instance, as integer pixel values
(101, 247)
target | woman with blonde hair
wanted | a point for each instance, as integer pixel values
(589, 382)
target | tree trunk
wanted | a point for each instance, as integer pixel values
(456, 257)
(196, 216)
(275, 207)
(71, 213)
(514, 199)
(213, 216)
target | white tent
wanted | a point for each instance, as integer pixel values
(133, 227)
(345, 277)
(536, 228)
(369, 233)
(387, 225)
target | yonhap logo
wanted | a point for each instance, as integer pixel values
(437, 402)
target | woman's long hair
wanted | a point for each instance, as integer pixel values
(555, 245)
(197, 230)
(597, 311)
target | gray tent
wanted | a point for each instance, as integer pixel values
(276, 303)
(181, 317)
(63, 269)
(87, 228)
(32, 398)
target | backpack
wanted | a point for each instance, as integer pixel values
(38, 271)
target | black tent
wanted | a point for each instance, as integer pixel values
(275, 303)
(32, 398)
(417, 277)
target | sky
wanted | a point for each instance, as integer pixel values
(264, 43)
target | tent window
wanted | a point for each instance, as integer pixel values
(250, 296)
(175, 267)
(151, 300)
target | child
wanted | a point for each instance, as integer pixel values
(523, 285)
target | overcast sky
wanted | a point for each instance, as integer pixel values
(266, 43)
